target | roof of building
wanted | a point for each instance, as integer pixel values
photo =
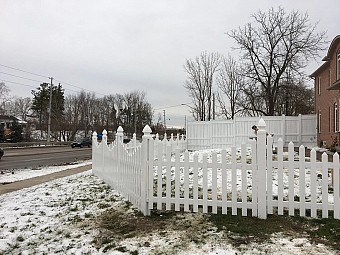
(331, 49)
(11, 118)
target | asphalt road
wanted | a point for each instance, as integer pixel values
(42, 156)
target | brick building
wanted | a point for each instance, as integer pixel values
(327, 96)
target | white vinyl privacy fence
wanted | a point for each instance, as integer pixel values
(249, 180)
(224, 134)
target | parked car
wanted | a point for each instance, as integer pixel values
(1, 152)
(82, 142)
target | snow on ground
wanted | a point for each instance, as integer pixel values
(22, 174)
(59, 217)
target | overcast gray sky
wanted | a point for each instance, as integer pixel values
(121, 45)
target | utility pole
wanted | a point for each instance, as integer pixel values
(164, 121)
(213, 106)
(49, 113)
(134, 115)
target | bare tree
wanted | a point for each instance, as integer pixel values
(199, 83)
(295, 98)
(230, 82)
(20, 107)
(272, 43)
(72, 117)
(4, 96)
(136, 112)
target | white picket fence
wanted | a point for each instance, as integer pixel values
(251, 179)
(224, 134)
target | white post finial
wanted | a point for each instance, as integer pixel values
(104, 139)
(147, 130)
(94, 136)
(120, 134)
(262, 124)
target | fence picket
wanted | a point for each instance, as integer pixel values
(313, 183)
(195, 184)
(159, 174)
(233, 181)
(186, 181)
(168, 177)
(151, 183)
(324, 185)
(269, 175)
(254, 178)
(224, 181)
(244, 179)
(291, 185)
(280, 176)
(302, 181)
(177, 179)
(205, 183)
(336, 186)
(214, 182)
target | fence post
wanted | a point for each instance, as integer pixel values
(262, 169)
(146, 156)
(94, 151)
(117, 151)
(104, 144)
(134, 138)
(120, 134)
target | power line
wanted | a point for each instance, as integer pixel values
(22, 77)
(79, 87)
(18, 83)
(24, 71)
(32, 86)
(18, 69)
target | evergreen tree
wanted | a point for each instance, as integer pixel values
(40, 105)
(2, 133)
(16, 132)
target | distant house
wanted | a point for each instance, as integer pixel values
(327, 96)
(6, 122)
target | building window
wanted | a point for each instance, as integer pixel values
(330, 119)
(336, 118)
(319, 121)
(338, 66)
(319, 85)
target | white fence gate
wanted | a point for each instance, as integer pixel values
(224, 134)
(250, 179)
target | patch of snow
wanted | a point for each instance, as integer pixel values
(22, 174)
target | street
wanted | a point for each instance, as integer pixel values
(31, 157)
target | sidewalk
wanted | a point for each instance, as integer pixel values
(6, 188)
